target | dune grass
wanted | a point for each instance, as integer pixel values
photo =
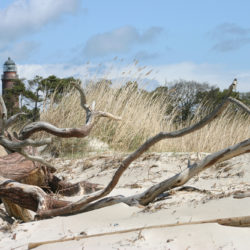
(141, 118)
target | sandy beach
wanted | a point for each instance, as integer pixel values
(208, 196)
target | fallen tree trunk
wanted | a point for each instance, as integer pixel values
(16, 169)
(28, 196)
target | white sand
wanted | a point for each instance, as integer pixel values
(184, 206)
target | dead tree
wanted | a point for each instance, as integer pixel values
(45, 205)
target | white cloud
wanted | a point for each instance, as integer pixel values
(27, 16)
(213, 74)
(118, 40)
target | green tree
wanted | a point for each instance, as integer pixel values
(18, 93)
(213, 96)
(49, 87)
(183, 96)
(32, 94)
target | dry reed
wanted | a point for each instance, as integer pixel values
(142, 117)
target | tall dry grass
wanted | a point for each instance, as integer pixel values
(141, 118)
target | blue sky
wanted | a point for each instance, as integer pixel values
(206, 41)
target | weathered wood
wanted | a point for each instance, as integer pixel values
(16, 211)
(241, 195)
(56, 185)
(16, 167)
(28, 196)
(18, 146)
(91, 119)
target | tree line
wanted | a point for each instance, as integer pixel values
(185, 98)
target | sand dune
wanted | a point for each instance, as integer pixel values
(211, 197)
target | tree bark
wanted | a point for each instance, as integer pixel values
(16, 169)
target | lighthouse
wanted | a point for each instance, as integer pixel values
(9, 79)
(9, 74)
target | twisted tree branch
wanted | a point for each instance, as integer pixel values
(91, 119)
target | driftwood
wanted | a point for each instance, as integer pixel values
(241, 195)
(91, 119)
(26, 168)
(34, 198)
(15, 169)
